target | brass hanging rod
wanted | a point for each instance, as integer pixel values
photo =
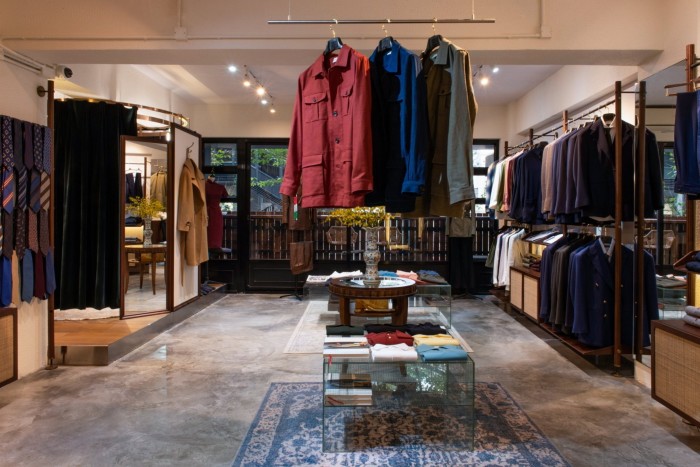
(382, 21)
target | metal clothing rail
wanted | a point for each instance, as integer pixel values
(384, 21)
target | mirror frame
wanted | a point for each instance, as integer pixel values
(170, 229)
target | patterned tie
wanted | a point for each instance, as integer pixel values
(48, 141)
(44, 231)
(32, 232)
(20, 232)
(8, 163)
(38, 147)
(1, 238)
(35, 191)
(8, 238)
(28, 145)
(18, 139)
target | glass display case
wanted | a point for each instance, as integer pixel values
(372, 404)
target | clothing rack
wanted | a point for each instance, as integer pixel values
(640, 154)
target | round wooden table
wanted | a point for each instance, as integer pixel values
(138, 250)
(397, 289)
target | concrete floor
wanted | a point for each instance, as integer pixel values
(187, 397)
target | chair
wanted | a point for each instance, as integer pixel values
(338, 235)
(140, 261)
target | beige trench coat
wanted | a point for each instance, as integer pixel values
(192, 217)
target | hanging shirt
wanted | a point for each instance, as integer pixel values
(330, 147)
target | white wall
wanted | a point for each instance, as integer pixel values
(18, 99)
(571, 88)
(491, 123)
(240, 121)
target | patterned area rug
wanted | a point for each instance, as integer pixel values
(311, 329)
(287, 431)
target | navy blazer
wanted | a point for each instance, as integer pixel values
(594, 299)
(686, 139)
(595, 179)
(399, 128)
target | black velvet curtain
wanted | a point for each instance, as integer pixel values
(87, 201)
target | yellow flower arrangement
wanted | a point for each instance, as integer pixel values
(145, 208)
(360, 216)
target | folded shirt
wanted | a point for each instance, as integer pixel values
(389, 338)
(393, 353)
(692, 320)
(428, 329)
(693, 311)
(693, 266)
(432, 353)
(385, 327)
(431, 276)
(436, 339)
(407, 275)
(344, 330)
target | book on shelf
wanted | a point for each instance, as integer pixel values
(348, 380)
(348, 396)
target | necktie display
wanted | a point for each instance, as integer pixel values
(39, 277)
(21, 195)
(27, 273)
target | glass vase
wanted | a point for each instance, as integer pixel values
(147, 232)
(372, 255)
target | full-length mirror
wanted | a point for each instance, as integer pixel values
(146, 212)
(664, 237)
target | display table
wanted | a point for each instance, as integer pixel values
(397, 289)
(139, 250)
(397, 404)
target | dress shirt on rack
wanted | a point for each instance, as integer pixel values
(509, 252)
(399, 127)
(330, 147)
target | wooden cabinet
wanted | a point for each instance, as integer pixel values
(675, 367)
(525, 291)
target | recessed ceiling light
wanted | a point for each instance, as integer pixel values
(484, 81)
(263, 101)
(496, 69)
(260, 91)
(232, 68)
(272, 110)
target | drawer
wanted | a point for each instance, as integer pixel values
(516, 289)
(531, 291)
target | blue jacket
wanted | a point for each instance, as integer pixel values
(687, 143)
(399, 127)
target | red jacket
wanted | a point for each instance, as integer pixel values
(330, 148)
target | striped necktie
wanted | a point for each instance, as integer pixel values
(8, 163)
(35, 191)
(45, 191)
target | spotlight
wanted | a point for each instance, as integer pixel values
(246, 81)
(495, 69)
(232, 68)
(484, 81)
(272, 110)
(260, 91)
(263, 101)
(63, 72)
(168, 136)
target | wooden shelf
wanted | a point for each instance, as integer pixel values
(575, 345)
